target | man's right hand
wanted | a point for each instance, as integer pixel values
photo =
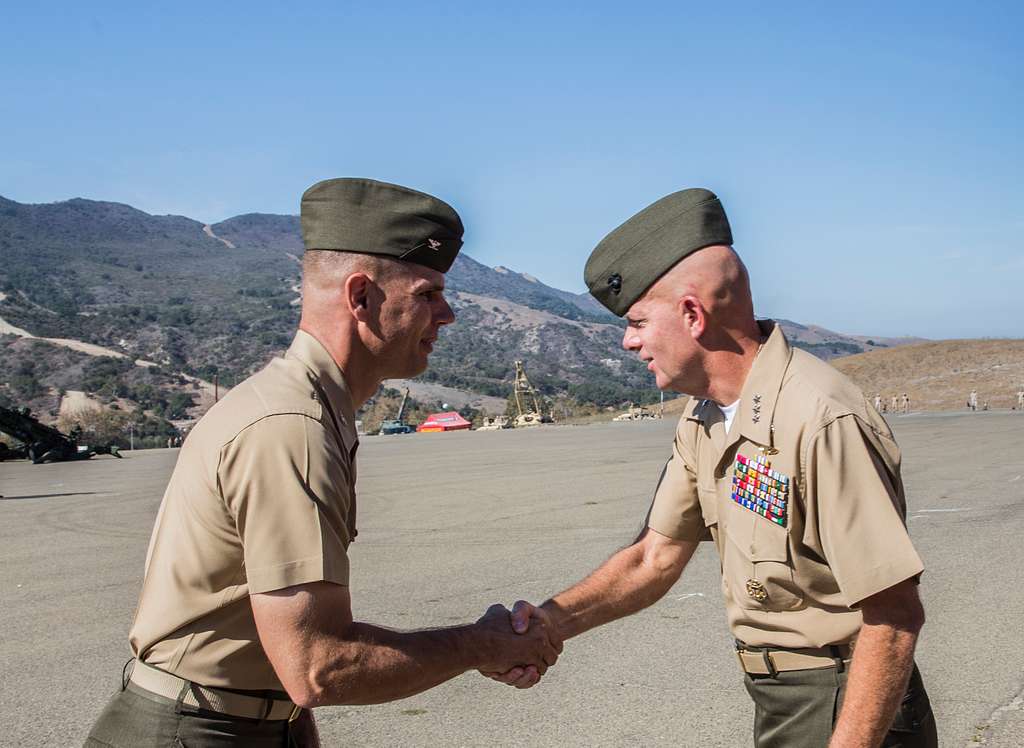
(511, 645)
(523, 618)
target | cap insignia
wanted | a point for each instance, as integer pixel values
(433, 244)
(615, 281)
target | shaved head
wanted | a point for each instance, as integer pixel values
(695, 326)
(717, 277)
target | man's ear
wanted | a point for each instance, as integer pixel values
(693, 315)
(358, 287)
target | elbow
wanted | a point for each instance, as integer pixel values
(306, 700)
(314, 686)
(662, 569)
(306, 690)
(332, 683)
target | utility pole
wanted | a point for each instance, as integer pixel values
(131, 436)
(216, 387)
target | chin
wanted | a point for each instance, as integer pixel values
(665, 384)
(416, 367)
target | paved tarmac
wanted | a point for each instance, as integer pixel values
(450, 523)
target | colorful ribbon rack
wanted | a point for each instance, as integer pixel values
(760, 489)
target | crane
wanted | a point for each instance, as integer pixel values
(526, 396)
(397, 425)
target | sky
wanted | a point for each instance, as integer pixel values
(869, 155)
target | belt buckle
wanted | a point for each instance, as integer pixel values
(739, 656)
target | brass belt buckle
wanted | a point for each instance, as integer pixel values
(743, 663)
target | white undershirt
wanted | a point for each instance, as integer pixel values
(729, 411)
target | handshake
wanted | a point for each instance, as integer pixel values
(519, 644)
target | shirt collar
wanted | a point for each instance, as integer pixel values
(697, 410)
(760, 390)
(764, 381)
(330, 380)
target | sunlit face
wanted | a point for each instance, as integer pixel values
(411, 314)
(657, 332)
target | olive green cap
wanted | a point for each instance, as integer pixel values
(632, 257)
(377, 218)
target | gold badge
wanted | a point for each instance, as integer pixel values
(756, 590)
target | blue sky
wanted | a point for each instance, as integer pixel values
(869, 157)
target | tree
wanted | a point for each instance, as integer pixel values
(99, 425)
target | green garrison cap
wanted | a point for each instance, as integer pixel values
(377, 218)
(632, 257)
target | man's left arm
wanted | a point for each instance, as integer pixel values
(881, 667)
(853, 483)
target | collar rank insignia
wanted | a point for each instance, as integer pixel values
(760, 489)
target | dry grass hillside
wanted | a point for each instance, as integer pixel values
(940, 375)
(937, 375)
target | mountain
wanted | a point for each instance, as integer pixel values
(206, 301)
(828, 344)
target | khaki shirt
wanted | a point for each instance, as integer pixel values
(806, 528)
(262, 498)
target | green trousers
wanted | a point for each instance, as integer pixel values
(135, 718)
(798, 709)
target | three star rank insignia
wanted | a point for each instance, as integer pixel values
(760, 489)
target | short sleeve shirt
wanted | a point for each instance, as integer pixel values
(262, 498)
(803, 499)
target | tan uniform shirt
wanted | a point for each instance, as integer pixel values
(806, 528)
(262, 498)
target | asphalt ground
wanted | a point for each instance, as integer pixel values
(450, 523)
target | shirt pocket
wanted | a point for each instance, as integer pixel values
(757, 568)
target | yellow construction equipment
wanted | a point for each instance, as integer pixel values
(528, 412)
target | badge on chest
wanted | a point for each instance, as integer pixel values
(760, 489)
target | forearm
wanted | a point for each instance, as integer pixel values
(324, 657)
(882, 663)
(629, 581)
(372, 665)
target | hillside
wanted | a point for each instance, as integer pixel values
(828, 344)
(939, 375)
(936, 375)
(204, 301)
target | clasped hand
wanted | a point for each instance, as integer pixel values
(528, 622)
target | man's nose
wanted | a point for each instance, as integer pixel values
(629, 340)
(445, 315)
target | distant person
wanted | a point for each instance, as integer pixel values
(1020, 399)
(905, 404)
(893, 404)
(245, 621)
(878, 402)
(781, 462)
(972, 400)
